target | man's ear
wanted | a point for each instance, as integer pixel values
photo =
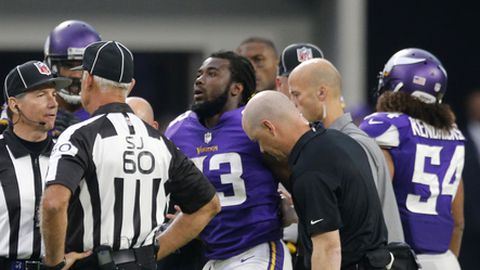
(278, 83)
(236, 89)
(322, 92)
(155, 124)
(12, 104)
(270, 127)
(87, 80)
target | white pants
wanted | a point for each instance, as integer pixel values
(445, 261)
(267, 256)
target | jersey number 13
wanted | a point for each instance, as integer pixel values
(233, 177)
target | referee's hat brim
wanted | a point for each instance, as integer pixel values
(59, 82)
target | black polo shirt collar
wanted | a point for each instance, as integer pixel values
(317, 129)
(113, 107)
(19, 150)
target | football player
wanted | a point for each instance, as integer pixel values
(63, 50)
(263, 55)
(247, 233)
(425, 152)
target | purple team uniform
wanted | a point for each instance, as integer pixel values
(81, 114)
(247, 189)
(428, 166)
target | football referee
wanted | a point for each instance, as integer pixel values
(110, 176)
(25, 146)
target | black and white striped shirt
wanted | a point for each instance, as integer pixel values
(22, 176)
(120, 171)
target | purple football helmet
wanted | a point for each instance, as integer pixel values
(64, 46)
(417, 72)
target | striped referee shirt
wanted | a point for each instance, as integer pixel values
(120, 172)
(22, 177)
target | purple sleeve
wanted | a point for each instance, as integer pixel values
(382, 128)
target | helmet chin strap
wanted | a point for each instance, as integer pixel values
(72, 99)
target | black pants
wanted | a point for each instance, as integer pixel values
(189, 257)
(299, 263)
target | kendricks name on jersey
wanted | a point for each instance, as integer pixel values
(422, 129)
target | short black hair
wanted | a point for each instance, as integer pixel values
(265, 41)
(241, 71)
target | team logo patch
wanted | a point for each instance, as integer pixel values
(42, 68)
(304, 54)
(207, 138)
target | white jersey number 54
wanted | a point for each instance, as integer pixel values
(449, 187)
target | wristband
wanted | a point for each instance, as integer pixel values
(59, 266)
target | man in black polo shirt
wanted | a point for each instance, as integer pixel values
(110, 176)
(340, 218)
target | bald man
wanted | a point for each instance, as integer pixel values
(316, 89)
(254, 117)
(143, 110)
(340, 217)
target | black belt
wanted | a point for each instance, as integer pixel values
(141, 256)
(124, 256)
(6, 263)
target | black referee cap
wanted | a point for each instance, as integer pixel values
(30, 75)
(108, 59)
(295, 54)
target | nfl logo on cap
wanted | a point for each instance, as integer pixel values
(29, 76)
(42, 68)
(304, 54)
(294, 54)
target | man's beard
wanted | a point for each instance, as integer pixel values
(208, 109)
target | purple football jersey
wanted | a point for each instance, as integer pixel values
(81, 114)
(246, 188)
(428, 167)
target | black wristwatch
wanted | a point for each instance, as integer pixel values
(59, 266)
